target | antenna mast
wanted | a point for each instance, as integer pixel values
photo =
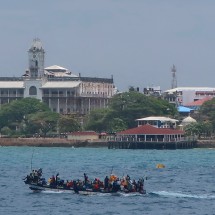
(174, 79)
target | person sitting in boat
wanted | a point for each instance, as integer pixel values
(112, 178)
(134, 186)
(128, 178)
(42, 181)
(80, 184)
(75, 186)
(69, 184)
(39, 172)
(130, 186)
(123, 182)
(36, 177)
(96, 184)
(116, 185)
(27, 179)
(32, 174)
(52, 181)
(126, 184)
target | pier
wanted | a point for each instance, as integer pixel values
(151, 145)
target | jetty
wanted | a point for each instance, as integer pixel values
(152, 145)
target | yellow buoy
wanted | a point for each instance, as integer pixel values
(160, 165)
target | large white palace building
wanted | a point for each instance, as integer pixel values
(61, 90)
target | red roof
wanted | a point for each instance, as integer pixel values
(83, 133)
(149, 129)
(198, 102)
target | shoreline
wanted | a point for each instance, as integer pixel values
(50, 142)
(62, 142)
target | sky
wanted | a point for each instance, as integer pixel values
(136, 41)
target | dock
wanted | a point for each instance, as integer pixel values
(151, 145)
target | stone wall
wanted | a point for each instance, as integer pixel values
(49, 142)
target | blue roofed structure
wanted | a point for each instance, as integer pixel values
(182, 109)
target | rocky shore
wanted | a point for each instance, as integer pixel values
(62, 142)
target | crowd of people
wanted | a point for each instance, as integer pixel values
(35, 176)
(109, 184)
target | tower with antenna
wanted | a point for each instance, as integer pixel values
(174, 79)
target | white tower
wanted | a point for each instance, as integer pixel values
(36, 55)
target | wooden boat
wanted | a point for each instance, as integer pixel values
(38, 187)
(38, 184)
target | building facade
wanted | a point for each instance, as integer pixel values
(184, 95)
(61, 90)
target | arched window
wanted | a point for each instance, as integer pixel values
(32, 90)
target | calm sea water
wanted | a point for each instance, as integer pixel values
(185, 186)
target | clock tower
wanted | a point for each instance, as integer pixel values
(36, 55)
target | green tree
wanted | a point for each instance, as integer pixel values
(16, 111)
(199, 129)
(125, 108)
(116, 125)
(41, 122)
(96, 120)
(27, 116)
(68, 123)
(129, 106)
(6, 131)
(207, 112)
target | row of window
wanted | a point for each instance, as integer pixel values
(83, 110)
(12, 92)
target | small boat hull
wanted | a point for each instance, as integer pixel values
(41, 188)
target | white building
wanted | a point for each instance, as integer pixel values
(63, 91)
(158, 122)
(185, 95)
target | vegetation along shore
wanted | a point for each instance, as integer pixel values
(29, 122)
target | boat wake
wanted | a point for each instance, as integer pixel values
(182, 195)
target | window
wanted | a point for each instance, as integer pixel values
(32, 90)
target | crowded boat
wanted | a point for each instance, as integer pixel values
(110, 184)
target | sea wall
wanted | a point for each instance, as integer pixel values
(206, 143)
(62, 142)
(49, 142)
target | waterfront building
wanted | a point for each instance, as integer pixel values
(184, 95)
(150, 133)
(63, 91)
(158, 122)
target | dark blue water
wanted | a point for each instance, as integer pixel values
(185, 186)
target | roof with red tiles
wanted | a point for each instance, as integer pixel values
(83, 133)
(198, 102)
(149, 129)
